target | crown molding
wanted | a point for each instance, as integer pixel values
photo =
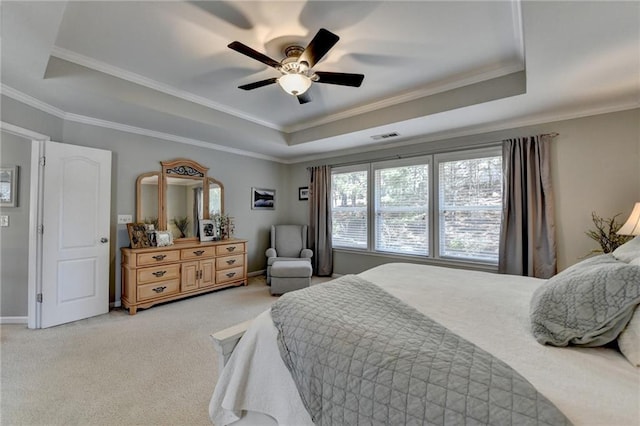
(132, 77)
(454, 82)
(476, 130)
(31, 101)
(77, 118)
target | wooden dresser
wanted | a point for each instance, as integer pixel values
(160, 274)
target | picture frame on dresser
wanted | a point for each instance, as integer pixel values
(207, 230)
(138, 236)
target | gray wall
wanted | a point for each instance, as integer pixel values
(132, 155)
(14, 240)
(595, 167)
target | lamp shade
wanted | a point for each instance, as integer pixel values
(294, 84)
(632, 225)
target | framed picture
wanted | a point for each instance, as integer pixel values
(164, 238)
(9, 186)
(207, 230)
(138, 235)
(263, 199)
(303, 193)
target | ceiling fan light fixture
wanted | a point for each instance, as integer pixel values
(294, 84)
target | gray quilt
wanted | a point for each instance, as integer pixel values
(360, 356)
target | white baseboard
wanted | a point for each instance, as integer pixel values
(13, 320)
(257, 273)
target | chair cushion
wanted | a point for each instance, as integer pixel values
(272, 260)
(291, 269)
(289, 240)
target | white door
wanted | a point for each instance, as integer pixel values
(75, 247)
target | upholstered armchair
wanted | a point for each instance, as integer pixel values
(288, 242)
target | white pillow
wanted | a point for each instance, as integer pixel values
(629, 339)
(628, 251)
(635, 261)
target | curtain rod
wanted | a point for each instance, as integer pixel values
(419, 154)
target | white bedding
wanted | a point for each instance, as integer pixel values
(591, 386)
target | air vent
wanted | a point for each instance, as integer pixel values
(385, 136)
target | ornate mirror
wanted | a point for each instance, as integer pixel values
(148, 197)
(177, 197)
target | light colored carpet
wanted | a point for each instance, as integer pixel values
(154, 368)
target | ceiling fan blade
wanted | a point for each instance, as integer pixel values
(323, 41)
(304, 98)
(254, 54)
(257, 84)
(340, 78)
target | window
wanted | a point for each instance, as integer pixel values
(349, 207)
(469, 206)
(402, 206)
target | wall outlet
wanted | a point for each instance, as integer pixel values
(123, 219)
(4, 220)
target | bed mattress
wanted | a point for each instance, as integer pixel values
(591, 386)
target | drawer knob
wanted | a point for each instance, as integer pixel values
(231, 261)
(231, 274)
(198, 252)
(232, 248)
(159, 273)
(159, 257)
(160, 289)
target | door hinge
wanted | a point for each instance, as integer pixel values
(39, 297)
(41, 229)
(43, 161)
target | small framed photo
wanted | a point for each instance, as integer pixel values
(207, 230)
(263, 199)
(9, 186)
(303, 193)
(138, 235)
(164, 238)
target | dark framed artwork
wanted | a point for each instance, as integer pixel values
(303, 193)
(138, 235)
(263, 199)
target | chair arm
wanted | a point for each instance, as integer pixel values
(306, 253)
(271, 252)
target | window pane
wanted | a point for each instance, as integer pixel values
(402, 209)
(470, 208)
(349, 209)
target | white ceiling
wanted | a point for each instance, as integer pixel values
(432, 69)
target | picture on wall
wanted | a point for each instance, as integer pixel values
(303, 193)
(263, 199)
(9, 186)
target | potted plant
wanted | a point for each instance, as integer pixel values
(605, 233)
(182, 223)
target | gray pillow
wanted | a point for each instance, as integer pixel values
(588, 304)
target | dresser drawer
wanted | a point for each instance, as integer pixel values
(159, 257)
(229, 275)
(155, 290)
(227, 262)
(197, 252)
(158, 273)
(223, 249)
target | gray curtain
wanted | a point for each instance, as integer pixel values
(320, 220)
(197, 210)
(527, 236)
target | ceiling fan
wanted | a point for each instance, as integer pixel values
(296, 67)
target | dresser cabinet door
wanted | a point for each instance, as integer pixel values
(189, 279)
(207, 273)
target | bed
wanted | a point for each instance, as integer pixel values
(590, 386)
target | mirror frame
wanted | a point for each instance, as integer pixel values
(139, 217)
(181, 168)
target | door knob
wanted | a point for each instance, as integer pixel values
(104, 240)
